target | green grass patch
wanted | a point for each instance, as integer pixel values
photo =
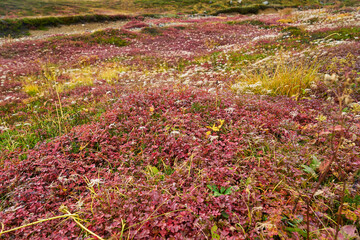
(345, 33)
(250, 22)
(113, 36)
(251, 9)
(154, 31)
(21, 27)
(178, 3)
(42, 125)
(239, 57)
(338, 34)
(257, 23)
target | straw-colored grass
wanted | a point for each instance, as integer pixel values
(290, 79)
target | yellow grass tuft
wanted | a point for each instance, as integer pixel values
(111, 74)
(80, 77)
(31, 89)
(288, 79)
(286, 20)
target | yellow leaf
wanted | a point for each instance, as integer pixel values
(221, 122)
(214, 128)
(350, 215)
(151, 109)
(217, 128)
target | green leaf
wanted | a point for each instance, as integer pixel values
(213, 229)
(315, 163)
(212, 188)
(298, 230)
(309, 170)
(228, 191)
(224, 214)
(217, 194)
(214, 235)
(154, 170)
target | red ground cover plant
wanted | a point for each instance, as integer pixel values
(170, 163)
(135, 24)
(159, 147)
(23, 58)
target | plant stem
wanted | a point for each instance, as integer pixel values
(340, 210)
(83, 227)
(33, 223)
(321, 179)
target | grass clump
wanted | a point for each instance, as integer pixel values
(237, 58)
(21, 27)
(253, 8)
(339, 34)
(293, 31)
(253, 22)
(107, 36)
(242, 10)
(151, 31)
(31, 89)
(111, 73)
(292, 80)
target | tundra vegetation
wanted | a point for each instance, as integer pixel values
(182, 127)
